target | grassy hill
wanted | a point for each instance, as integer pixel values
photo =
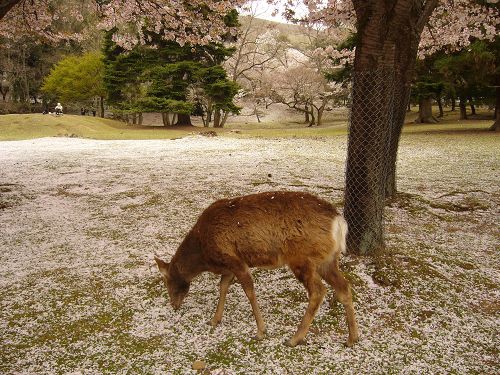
(294, 33)
(28, 126)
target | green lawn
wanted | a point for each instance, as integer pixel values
(30, 126)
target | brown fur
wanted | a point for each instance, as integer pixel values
(265, 230)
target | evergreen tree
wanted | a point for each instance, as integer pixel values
(469, 73)
(427, 86)
(164, 76)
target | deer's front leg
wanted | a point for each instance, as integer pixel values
(316, 291)
(225, 281)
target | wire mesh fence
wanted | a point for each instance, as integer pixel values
(375, 115)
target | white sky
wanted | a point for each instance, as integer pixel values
(263, 10)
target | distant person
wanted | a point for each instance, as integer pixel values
(59, 109)
(82, 111)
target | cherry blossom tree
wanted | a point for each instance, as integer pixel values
(192, 22)
(259, 50)
(305, 89)
(389, 36)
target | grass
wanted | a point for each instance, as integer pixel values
(31, 126)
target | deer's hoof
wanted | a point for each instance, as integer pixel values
(294, 342)
(351, 341)
(213, 323)
(260, 336)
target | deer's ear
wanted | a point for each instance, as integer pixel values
(162, 266)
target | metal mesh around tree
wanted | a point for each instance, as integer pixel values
(371, 122)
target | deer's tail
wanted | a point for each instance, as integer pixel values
(339, 233)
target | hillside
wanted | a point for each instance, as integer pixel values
(29, 126)
(294, 33)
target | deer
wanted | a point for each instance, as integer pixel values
(265, 230)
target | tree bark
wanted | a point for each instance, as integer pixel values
(453, 104)
(209, 113)
(319, 119)
(472, 106)
(217, 118)
(256, 111)
(440, 106)
(139, 118)
(306, 114)
(183, 120)
(425, 112)
(101, 106)
(312, 119)
(224, 119)
(463, 108)
(496, 124)
(165, 119)
(365, 177)
(6, 6)
(402, 90)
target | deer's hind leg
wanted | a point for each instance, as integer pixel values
(308, 276)
(331, 273)
(225, 281)
(246, 281)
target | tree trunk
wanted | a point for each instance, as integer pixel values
(425, 112)
(101, 106)
(472, 106)
(453, 104)
(463, 108)
(165, 119)
(183, 120)
(6, 5)
(139, 118)
(319, 119)
(312, 119)
(365, 177)
(384, 60)
(134, 118)
(496, 124)
(217, 118)
(402, 91)
(209, 114)
(224, 119)
(26, 81)
(307, 120)
(440, 106)
(256, 110)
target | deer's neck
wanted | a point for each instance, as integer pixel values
(187, 261)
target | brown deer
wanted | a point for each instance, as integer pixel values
(266, 230)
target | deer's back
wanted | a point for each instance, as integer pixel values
(267, 229)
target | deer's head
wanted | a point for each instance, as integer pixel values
(177, 287)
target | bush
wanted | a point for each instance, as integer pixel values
(7, 108)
